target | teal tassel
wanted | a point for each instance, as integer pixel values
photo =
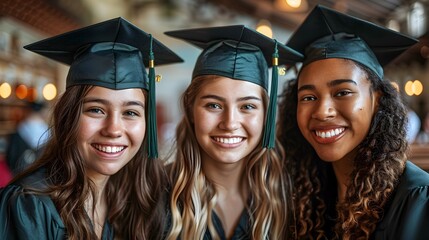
(152, 138)
(270, 128)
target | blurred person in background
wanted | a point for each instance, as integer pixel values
(26, 144)
(413, 125)
(423, 136)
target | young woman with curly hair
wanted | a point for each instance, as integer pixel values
(97, 177)
(227, 177)
(344, 132)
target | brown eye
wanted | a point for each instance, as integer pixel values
(248, 107)
(343, 93)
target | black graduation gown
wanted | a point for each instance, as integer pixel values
(241, 232)
(30, 216)
(407, 215)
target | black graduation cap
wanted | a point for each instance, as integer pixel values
(241, 53)
(235, 51)
(327, 33)
(111, 54)
(106, 54)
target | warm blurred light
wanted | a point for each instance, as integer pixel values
(32, 94)
(413, 88)
(417, 87)
(21, 91)
(291, 5)
(394, 25)
(49, 91)
(294, 3)
(395, 85)
(264, 27)
(5, 90)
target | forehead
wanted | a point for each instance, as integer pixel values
(227, 86)
(130, 94)
(323, 71)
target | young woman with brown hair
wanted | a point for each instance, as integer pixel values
(99, 176)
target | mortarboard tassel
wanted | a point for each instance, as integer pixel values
(152, 128)
(270, 128)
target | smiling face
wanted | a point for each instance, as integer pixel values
(335, 107)
(228, 118)
(111, 129)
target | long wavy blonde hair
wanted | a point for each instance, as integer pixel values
(379, 163)
(193, 196)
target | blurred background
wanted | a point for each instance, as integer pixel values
(26, 78)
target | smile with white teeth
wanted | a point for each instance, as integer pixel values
(231, 140)
(330, 133)
(108, 149)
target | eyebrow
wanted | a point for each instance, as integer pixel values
(340, 81)
(106, 102)
(330, 84)
(211, 96)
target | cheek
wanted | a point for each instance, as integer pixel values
(137, 131)
(302, 116)
(86, 129)
(362, 107)
(256, 123)
(201, 120)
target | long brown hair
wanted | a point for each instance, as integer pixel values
(377, 167)
(193, 196)
(133, 193)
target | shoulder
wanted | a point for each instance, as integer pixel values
(35, 215)
(14, 199)
(407, 214)
(413, 177)
(413, 187)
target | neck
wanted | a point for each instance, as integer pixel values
(342, 169)
(97, 208)
(229, 181)
(227, 178)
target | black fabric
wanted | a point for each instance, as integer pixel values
(236, 52)
(31, 216)
(18, 153)
(241, 232)
(407, 215)
(108, 54)
(359, 40)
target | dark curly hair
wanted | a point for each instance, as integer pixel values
(378, 165)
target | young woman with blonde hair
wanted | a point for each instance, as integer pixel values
(227, 177)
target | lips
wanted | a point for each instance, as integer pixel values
(228, 140)
(329, 133)
(108, 149)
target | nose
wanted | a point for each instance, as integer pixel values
(324, 110)
(230, 120)
(113, 126)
